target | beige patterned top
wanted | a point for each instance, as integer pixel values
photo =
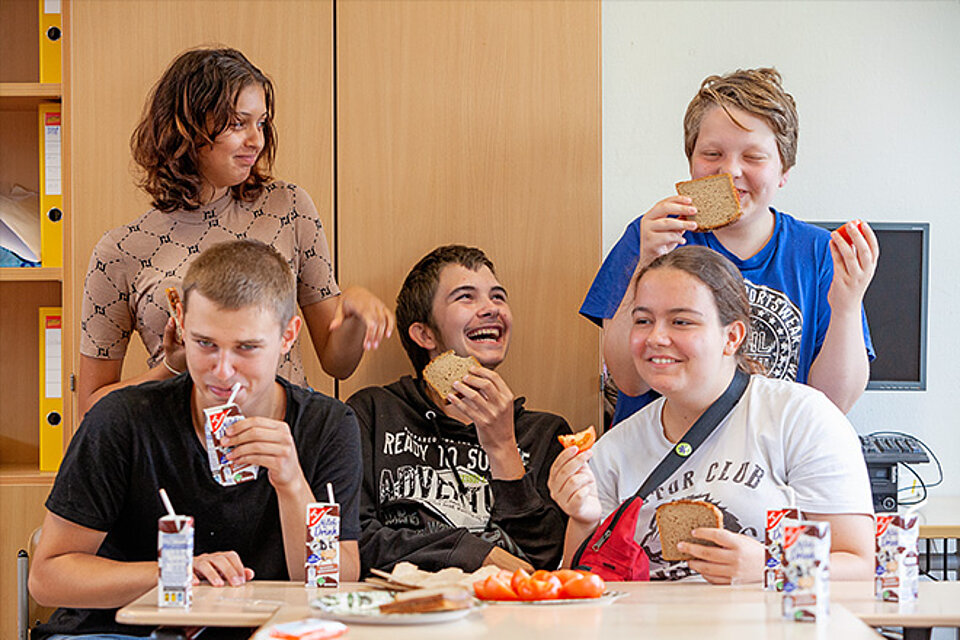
(132, 265)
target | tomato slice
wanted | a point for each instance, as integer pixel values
(589, 585)
(519, 577)
(494, 588)
(582, 440)
(532, 589)
(566, 575)
(845, 234)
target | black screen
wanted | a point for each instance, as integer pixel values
(896, 305)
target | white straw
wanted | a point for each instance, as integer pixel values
(330, 494)
(166, 503)
(234, 390)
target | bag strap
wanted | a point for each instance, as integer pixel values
(696, 434)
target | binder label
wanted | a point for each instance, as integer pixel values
(52, 357)
(51, 153)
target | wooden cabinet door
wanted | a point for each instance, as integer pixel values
(477, 123)
(119, 49)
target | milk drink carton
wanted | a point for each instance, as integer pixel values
(216, 421)
(323, 545)
(773, 551)
(897, 570)
(806, 571)
(175, 554)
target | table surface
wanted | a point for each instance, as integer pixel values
(680, 610)
(940, 517)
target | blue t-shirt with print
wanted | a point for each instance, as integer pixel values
(787, 282)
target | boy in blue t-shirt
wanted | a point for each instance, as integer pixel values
(805, 284)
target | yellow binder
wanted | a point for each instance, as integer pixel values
(51, 35)
(51, 193)
(51, 388)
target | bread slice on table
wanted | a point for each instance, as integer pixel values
(715, 198)
(676, 519)
(425, 600)
(445, 369)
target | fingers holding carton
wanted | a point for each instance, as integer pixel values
(266, 443)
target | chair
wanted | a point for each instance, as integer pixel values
(27, 608)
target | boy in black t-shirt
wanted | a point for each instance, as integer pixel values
(97, 550)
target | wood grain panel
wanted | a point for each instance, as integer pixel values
(119, 49)
(477, 123)
(19, 41)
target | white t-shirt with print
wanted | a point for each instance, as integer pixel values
(780, 434)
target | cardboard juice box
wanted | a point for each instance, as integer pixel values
(806, 571)
(897, 569)
(217, 419)
(323, 545)
(773, 552)
(175, 554)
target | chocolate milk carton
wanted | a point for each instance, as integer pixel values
(773, 553)
(806, 571)
(214, 427)
(175, 555)
(898, 573)
(323, 545)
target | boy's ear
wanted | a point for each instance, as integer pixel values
(290, 333)
(423, 335)
(783, 177)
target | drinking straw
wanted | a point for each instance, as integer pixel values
(330, 494)
(166, 503)
(234, 390)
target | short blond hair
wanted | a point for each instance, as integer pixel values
(759, 92)
(243, 273)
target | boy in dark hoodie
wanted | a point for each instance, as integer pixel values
(459, 481)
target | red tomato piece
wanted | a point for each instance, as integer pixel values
(582, 440)
(519, 577)
(532, 589)
(566, 575)
(589, 585)
(494, 588)
(845, 234)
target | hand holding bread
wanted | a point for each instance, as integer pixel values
(663, 226)
(692, 530)
(485, 400)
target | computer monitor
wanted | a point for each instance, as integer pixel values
(896, 305)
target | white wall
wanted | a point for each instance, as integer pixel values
(877, 85)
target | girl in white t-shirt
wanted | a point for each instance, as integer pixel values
(782, 443)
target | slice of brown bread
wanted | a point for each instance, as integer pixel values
(715, 198)
(425, 600)
(445, 369)
(676, 519)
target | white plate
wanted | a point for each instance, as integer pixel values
(606, 598)
(363, 607)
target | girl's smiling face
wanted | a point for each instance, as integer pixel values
(678, 345)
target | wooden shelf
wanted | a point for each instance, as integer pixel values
(19, 474)
(16, 96)
(31, 274)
